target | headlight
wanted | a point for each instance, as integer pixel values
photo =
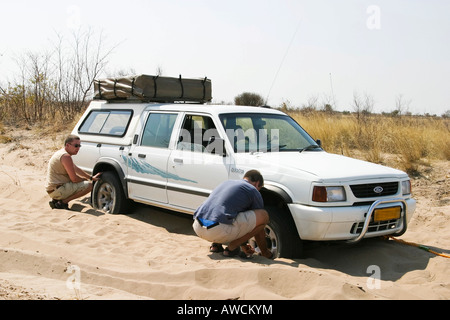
(328, 194)
(406, 187)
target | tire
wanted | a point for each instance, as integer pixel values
(281, 235)
(108, 195)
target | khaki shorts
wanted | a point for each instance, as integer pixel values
(225, 233)
(68, 189)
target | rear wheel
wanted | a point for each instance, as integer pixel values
(108, 195)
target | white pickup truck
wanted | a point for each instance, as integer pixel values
(172, 155)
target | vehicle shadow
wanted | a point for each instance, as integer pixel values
(84, 206)
(173, 222)
(393, 259)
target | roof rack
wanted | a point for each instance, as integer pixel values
(148, 88)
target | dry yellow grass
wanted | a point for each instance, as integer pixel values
(414, 140)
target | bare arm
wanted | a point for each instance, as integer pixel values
(75, 174)
(81, 173)
(85, 175)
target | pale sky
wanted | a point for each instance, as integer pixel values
(286, 50)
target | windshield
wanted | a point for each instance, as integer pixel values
(255, 132)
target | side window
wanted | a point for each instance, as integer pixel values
(240, 131)
(158, 130)
(196, 133)
(107, 122)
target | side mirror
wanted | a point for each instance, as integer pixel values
(319, 143)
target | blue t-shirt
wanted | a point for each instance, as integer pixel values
(228, 199)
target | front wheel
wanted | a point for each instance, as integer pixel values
(281, 235)
(108, 195)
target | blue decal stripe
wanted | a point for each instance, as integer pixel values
(143, 167)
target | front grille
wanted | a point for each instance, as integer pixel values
(375, 226)
(367, 190)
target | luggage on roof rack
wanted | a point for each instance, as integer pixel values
(153, 89)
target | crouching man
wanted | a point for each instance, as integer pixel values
(65, 181)
(232, 214)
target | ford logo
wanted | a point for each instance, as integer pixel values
(378, 189)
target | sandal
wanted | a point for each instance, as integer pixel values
(52, 203)
(215, 248)
(231, 253)
(58, 204)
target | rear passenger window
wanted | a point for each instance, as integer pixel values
(158, 130)
(107, 122)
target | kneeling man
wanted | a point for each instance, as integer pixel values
(232, 214)
(65, 181)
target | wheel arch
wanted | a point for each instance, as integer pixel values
(112, 165)
(275, 196)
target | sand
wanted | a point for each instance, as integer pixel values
(152, 254)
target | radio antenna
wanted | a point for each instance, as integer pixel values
(282, 61)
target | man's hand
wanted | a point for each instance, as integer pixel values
(97, 176)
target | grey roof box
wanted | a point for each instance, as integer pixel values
(153, 89)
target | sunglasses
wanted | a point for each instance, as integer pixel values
(76, 145)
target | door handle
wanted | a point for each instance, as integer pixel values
(177, 160)
(143, 156)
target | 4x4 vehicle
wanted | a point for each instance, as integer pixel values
(173, 155)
